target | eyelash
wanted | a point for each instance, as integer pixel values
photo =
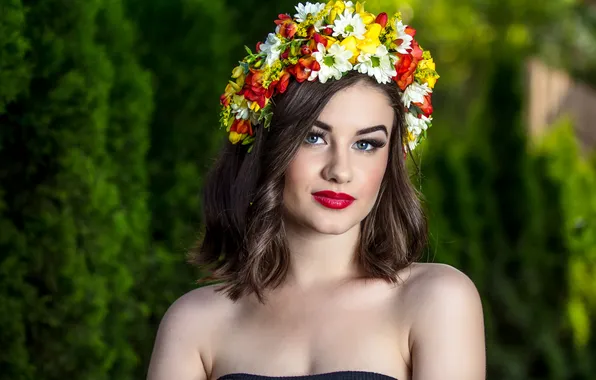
(374, 143)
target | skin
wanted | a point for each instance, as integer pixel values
(325, 317)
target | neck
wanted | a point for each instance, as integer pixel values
(321, 259)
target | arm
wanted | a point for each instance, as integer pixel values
(447, 336)
(176, 352)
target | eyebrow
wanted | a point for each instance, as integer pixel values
(363, 131)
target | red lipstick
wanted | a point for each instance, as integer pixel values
(333, 200)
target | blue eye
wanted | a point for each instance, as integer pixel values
(369, 145)
(363, 145)
(313, 138)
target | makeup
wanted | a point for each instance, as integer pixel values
(333, 200)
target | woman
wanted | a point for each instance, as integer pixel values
(312, 225)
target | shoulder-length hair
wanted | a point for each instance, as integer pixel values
(244, 243)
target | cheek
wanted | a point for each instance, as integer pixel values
(299, 175)
(372, 176)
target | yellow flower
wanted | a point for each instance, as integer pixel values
(432, 80)
(330, 41)
(425, 72)
(366, 17)
(237, 72)
(235, 137)
(371, 39)
(430, 77)
(232, 88)
(254, 106)
(240, 81)
(337, 8)
(350, 43)
(427, 64)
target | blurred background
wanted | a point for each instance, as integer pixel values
(109, 119)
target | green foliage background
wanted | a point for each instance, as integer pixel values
(108, 121)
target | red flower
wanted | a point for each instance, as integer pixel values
(426, 107)
(411, 31)
(242, 126)
(381, 19)
(224, 99)
(287, 27)
(327, 31)
(301, 71)
(284, 80)
(406, 66)
(315, 40)
(253, 89)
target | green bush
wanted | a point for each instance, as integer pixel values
(72, 209)
(509, 219)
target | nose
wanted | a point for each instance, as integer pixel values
(338, 168)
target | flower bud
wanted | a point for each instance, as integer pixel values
(382, 19)
(238, 70)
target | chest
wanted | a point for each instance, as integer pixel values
(314, 336)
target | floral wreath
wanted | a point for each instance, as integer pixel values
(324, 41)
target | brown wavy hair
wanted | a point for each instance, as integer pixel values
(244, 243)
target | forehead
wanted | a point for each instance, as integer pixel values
(358, 106)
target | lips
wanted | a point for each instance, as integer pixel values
(333, 200)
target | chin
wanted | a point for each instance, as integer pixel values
(330, 228)
(330, 222)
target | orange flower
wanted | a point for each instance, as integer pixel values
(231, 89)
(242, 127)
(284, 80)
(224, 100)
(253, 89)
(317, 39)
(406, 66)
(286, 26)
(305, 50)
(426, 107)
(301, 71)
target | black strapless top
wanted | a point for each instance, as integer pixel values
(339, 375)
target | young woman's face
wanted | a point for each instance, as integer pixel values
(333, 182)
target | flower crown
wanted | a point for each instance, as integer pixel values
(324, 41)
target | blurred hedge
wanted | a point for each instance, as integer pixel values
(108, 114)
(508, 215)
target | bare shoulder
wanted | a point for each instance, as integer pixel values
(197, 311)
(199, 303)
(182, 345)
(446, 322)
(430, 285)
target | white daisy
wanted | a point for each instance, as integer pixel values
(349, 24)
(417, 125)
(244, 111)
(272, 46)
(406, 39)
(379, 65)
(309, 8)
(415, 93)
(333, 63)
(241, 112)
